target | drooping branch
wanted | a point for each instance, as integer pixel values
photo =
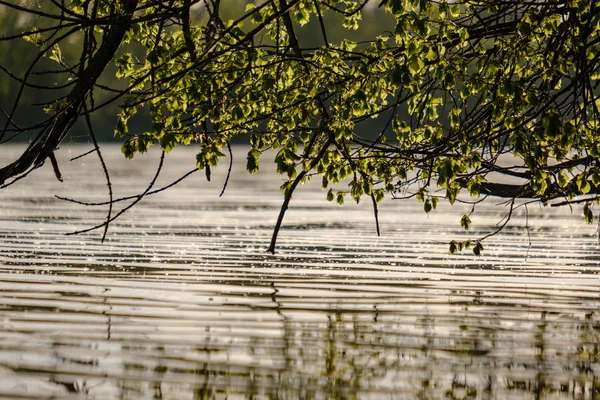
(136, 200)
(47, 142)
(290, 191)
(462, 86)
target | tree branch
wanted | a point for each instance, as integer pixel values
(45, 144)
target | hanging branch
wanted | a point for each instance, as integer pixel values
(228, 170)
(125, 198)
(45, 144)
(290, 191)
(104, 169)
(460, 86)
(137, 198)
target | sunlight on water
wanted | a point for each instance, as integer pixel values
(182, 302)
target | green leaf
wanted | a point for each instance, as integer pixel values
(474, 188)
(465, 221)
(582, 184)
(200, 160)
(587, 213)
(415, 65)
(252, 161)
(434, 201)
(453, 247)
(56, 54)
(477, 249)
(330, 195)
(563, 179)
(427, 205)
(168, 142)
(451, 195)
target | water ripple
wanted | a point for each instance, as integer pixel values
(181, 301)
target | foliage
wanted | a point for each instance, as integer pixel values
(461, 85)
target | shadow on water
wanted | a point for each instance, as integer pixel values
(182, 302)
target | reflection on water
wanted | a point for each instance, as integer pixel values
(182, 302)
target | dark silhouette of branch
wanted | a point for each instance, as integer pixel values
(375, 213)
(45, 144)
(229, 170)
(55, 167)
(138, 198)
(290, 191)
(104, 169)
(125, 198)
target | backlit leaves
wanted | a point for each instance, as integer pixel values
(461, 88)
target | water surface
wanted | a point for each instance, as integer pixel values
(182, 302)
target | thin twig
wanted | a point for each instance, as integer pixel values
(376, 213)
(82, 155)
(505, 219)
(104, 168)
(133, 203)
(229, 170)
(103, 203)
